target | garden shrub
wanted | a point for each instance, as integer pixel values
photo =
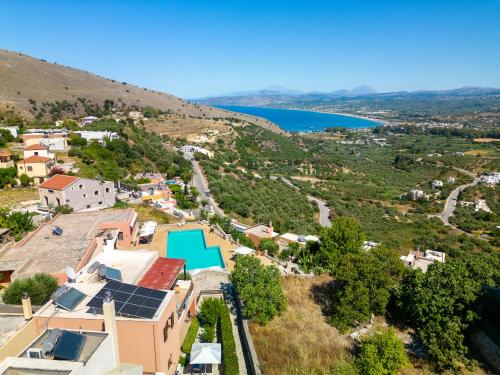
(39, 287)
(191, 336)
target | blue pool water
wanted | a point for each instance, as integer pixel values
(191, 246)
(301, 121)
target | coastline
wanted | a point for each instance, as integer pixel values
(374, 122)
(381, 122)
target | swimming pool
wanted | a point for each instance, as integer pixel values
(191, 246)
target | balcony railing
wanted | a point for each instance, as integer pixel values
(185, 302)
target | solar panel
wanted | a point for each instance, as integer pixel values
(113, 274)
(130, 300)
(69, 346)
(70, 299)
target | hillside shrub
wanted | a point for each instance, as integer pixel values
(381, 354)
(39, 287)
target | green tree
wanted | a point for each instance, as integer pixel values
(269, 246)
(259, 289)
(441, 304)
(343, 237)
(7, 176)
(17, 222)
(381, 354)
(39, 287)
(25, 180)
(363, 286)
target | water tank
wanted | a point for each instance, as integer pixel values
(102, 271)
(50, 343)
(93, 267)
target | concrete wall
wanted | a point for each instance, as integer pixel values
(140, 341)
(45, 153)
(53, 142)
(101, 361)
(81, 195)
(19, 341)
(37, 169)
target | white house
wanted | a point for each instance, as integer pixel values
(415, 260)
(38, 150)
(415, 194)
(88, 120)
(490, 179)
(481, 205)
(437, 184)
(98, 136)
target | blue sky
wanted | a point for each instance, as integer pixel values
(194, 48)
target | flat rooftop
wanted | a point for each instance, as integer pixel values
(132, 264)
(42, 251)
(260, 230)
(91, 343)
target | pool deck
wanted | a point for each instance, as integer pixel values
(160, 239)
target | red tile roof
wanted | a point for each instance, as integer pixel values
(162, 274)
(58, 182)
(5, 153)
(35, 159)
(36, 146)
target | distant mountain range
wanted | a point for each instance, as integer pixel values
(281, 96)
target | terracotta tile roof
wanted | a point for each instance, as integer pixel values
(162, 274)
(5, 153)
(35, 159)
(36, 147)
(58, 182)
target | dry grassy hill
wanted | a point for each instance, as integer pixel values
(24, 78)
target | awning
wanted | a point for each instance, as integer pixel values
(148, 228)
(205, 353)
(243, 250)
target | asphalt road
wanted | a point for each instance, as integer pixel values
(324, 212)
(451, 201)
(202, 185)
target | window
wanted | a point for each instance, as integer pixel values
(171, 319)
(29, 168)
(80, 186)
(120, 236)
(36, 153)
(96, 192)
(165, 332)
(84, 195)
(107, 190)
(100, 202)
(88, 206)
(50, 191)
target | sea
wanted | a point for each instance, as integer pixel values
(303, 121)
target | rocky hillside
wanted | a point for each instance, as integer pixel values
(26, 83)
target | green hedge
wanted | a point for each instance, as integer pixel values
(229, 358)
(191, 336)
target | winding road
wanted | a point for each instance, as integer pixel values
(324, 211)
(451, 201)
(201, 184)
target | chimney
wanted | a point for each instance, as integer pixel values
(270, 229)
(27, 311)
(110, 324)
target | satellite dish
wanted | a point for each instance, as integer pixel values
(70, 272)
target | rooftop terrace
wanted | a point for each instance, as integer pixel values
(43, 251)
